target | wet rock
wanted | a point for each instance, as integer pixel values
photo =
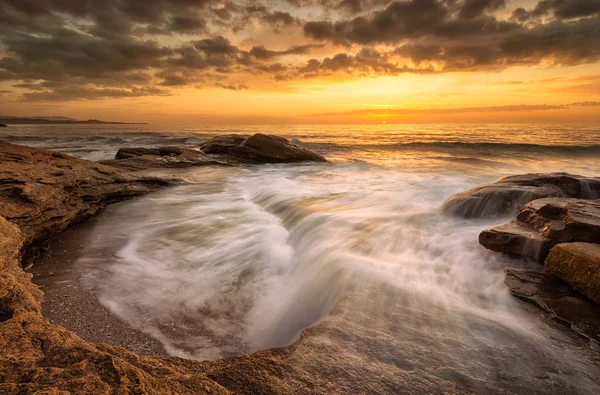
(163, 157)
(558, 299)
(579, 265)
(510, 194)
(41, 193)
(542, 224)
(258, 148)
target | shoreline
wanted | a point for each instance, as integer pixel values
(70, 303)
(353, 347)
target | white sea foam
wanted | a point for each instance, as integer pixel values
(247, 261)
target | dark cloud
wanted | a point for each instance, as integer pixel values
(413, 19)
(560, 9)
(474, 8)
(565, 43)
(72, 93)
(260, 52)
(127, 48)
(232, 87)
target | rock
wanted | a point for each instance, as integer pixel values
(163, 157)
(516, 239)
(542, 224)
(41, 193)
(3, 125)
(258, 148)
(558, 299)
(579, 265)
(509, 194)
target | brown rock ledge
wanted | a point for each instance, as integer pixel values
(41, 193)
(258, 148)
(542, 224)
(579, 265)
(558, 299)
(163, 157)
(509, 194)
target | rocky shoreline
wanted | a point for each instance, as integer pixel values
(44, 192)
(41, 194)
(557, 225)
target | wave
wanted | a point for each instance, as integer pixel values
(459, 145)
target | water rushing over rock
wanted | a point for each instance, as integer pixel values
(508, 195)
(351, 266)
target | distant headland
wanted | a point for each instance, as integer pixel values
(12, 120)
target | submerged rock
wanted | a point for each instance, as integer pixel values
(510, 194)
(163, 157)
(579, 265)
(558, 299)
(258, 148)
(542, 224)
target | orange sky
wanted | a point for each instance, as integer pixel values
(302, 61)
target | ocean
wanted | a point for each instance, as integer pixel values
(243, 259)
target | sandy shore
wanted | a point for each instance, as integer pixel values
(69, 302)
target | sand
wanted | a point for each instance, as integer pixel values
(69, 302)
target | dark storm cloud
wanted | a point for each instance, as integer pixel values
(127, 48)
(260, 52)
(564, 43)
(413, 19)
(367, 61)
(560, 9)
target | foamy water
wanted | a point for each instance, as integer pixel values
(244, 259)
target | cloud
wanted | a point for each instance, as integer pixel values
(260, 52)
(560, 9)
(456, 110)
(412, 19)
(586, 104)
(232, 87)
(126, 48)
(64, 94)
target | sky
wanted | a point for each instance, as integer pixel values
(301, 61)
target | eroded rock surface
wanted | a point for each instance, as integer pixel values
(558, 299)
(42, 192)
(542, 224)
(163, 157)
(579, 265)
(258, 148)
(509, 194)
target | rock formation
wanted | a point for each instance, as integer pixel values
(41, 193)
(558, 299)
(509, 194)
(558, 223)
(163, 157)
(350, 351)
(542, 224)
(258, 148)
(579, 265)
